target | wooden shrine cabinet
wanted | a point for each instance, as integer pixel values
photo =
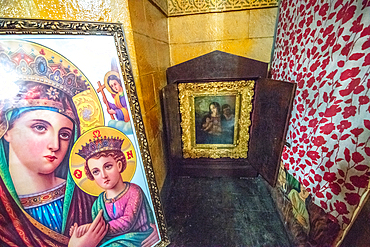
(271, 107)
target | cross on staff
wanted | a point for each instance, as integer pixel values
(100, 90)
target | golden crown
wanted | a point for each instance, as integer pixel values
(28, 67)
(98, 145)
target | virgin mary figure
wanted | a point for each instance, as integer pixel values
(39, 201)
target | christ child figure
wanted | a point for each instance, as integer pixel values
(208, 125)
(124, 204)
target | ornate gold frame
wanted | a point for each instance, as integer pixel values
(14, 28)
(243, 91)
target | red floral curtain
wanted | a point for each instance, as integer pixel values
(324, 47)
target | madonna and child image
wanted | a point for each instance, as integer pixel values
(41, 202)
(214, 119)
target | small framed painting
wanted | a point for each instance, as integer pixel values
(75, 168)
(215, 118)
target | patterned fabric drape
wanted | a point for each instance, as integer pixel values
(324, 46)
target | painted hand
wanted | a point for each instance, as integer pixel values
(110, 111)
(93, 235)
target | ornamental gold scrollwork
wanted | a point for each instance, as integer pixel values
(183, 7)
(89, 110)
(241, 91)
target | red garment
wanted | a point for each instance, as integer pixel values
(16, 229)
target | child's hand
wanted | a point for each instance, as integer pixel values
(81, 230)
(72, 229)
(95, 232)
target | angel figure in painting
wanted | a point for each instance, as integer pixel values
(124, 204)
(114, 86)
(38, 125)
(227, 123)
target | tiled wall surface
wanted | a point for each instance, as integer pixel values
(162, 4)
(150, 34)
(246, 33)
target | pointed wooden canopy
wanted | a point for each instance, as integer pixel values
(217, 65)
(270, 116)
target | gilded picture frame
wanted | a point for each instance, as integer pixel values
(215, 118)
(68, 101)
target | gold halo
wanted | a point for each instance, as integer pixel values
(76, 162)
(106, 80)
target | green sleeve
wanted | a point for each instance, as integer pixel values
(99, 205)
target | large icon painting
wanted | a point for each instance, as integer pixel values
(71, 164)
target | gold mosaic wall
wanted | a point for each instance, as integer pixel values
(148, 48)
(185, 7)
(150, 35)
(247, 33)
